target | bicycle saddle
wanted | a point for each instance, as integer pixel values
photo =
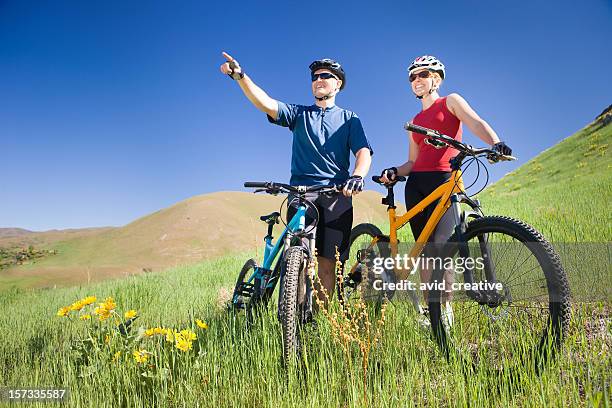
(270, 218)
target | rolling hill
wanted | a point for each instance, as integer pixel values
(190, 231)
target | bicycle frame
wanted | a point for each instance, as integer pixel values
(443, 193)
(271, 250)
(297, 223)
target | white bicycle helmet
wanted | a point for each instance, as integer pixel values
(429, 62)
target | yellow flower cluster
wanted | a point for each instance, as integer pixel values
(201, 324)
(105, 309)
(76, 306)
(156, 330)
(140, 356)
(130, 314)
(182, 340)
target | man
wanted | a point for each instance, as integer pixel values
(323, 137)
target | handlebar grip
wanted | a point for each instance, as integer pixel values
(417, 129)
(376, 179)
(256, 184)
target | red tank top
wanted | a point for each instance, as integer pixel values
(439, 118)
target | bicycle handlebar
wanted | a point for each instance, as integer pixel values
(255, 184)
(492, 155)
(275, 188)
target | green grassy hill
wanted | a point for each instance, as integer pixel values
(566, 191)
(232, 366)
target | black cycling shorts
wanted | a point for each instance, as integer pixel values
(418, 186)
(334, 226)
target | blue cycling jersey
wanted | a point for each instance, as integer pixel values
(323, 139)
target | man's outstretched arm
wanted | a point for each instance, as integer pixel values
(256, 95)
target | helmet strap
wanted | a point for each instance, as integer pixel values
(326, 97)
(432, 90)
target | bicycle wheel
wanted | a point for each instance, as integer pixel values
(292, 300)
(247, 293)
(366, 245)
(496, 326)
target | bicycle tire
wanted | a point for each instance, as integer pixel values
(361, 258)
(291, 300)
(517, 332)
(246, 296)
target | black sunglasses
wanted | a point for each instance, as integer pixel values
(323, 75)
(422, 74)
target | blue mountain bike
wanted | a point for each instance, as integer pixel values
(292, 251)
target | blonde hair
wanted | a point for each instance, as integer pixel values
(435, 74)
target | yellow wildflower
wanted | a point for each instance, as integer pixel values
(188, 335)
(141, 356)
(102, 313)
(182, 343)
(149, 332)
(158, 330)
(201, 324)
(130, 313)
(63, 311)
(116, 356)
(109, 304)
(107, 339)
(170, 336)
(88, 300)
(78, 305)
(85, 317)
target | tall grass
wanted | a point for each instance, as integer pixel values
(232, 366)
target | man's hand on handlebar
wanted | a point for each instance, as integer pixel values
(353, 186)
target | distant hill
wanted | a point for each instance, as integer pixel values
(198, 228)
(13, 232)
(18, 237)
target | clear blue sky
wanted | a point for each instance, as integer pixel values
(112, 110)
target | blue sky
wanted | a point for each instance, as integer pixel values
(112, 110)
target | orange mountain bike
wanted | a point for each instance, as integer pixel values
(511, 300)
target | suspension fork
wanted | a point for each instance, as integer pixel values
(460, 228)
(460, 218)
(309, 300)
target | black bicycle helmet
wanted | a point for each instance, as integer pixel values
(332, 65)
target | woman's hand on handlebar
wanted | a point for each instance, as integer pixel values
(502, 148)
(387, 176)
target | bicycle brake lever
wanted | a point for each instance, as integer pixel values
(259, 190)
(495, 158)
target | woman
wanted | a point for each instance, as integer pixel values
(428, 166)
